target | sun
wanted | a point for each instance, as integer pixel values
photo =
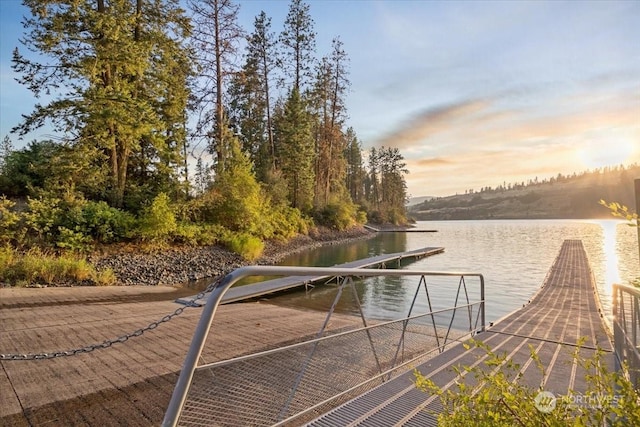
(601, 152)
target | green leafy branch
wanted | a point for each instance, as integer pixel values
(621, 211)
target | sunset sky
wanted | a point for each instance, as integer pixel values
(473, 93)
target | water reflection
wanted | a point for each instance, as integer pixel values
(610, 249)
(514, 256)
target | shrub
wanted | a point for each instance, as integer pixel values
(106, 224)
(500, 400)
(105, 277)
(338, 216)
(158, 220)
(246, 245)
(9, 221)
(72, 240)
(43, 217)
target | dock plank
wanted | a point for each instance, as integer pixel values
(563, 312)
(240, 293)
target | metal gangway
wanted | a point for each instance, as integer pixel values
(626, 330)
(305, 377)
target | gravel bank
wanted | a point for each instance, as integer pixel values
(179, 265)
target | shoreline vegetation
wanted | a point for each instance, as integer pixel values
(125, 265)
(142, 97)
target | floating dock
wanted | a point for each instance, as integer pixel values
(397, 230)
(240, 293)
(563, 312)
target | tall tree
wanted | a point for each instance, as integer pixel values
(250, 106)
(298, 40)
(295, 139)
(355, 174)
(217, 35)
(328, 96)
(102, 59)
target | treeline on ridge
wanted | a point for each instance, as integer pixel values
(138, 87)
(563, 196)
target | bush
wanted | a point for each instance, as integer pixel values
(158, 221)
(106, 224)
(338, 216)
(246, 245)
(74, 241)
(9, 221)
(105, 277)
(198, 234)
(501, 400)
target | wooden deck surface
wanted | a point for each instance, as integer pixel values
(241, 293)
(131, 383)
(563, 312)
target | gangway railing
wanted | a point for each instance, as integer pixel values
(298, 381)
(626, 330)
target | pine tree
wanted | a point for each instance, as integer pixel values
(217, 35)
(328, 97)
(295, 139)
(106, 63)
(298, 40)
(250, 106)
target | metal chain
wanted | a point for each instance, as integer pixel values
(108, 343)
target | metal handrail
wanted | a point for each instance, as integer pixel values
(202, 330)
(626, 330)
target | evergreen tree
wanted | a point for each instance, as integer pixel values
(216, 38)
(250, 107)
(298, 40)
(107, 62)
(295, 139)
(328, 96)
(355, 174)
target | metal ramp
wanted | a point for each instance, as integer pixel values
(562, 313)
(302, 379)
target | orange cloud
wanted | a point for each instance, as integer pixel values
(429, 122)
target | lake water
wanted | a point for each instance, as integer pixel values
(513, 255)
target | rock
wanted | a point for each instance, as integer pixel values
(179, 265)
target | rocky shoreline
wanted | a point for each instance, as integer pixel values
(179, 265)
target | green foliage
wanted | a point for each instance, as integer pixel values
(338, 216)
(497, 398)
(105, 277)
(72, 240)
(157, 221)
(235, 199)
(198, 234)
(9, 221)
(43, 217)
(293, 131)
(621, 211)
(246, 245)
(106, 224)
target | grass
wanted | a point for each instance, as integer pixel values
(37, 267)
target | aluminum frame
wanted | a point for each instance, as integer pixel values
(203, 327)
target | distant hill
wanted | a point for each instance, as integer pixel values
(417, 200)
(574, 196)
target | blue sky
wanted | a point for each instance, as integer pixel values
(473, 93)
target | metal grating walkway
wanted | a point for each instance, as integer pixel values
(563, 311)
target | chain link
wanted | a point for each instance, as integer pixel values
(121, 339)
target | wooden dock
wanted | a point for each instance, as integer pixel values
(245, 292)
(397, 230)
(564, 311)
